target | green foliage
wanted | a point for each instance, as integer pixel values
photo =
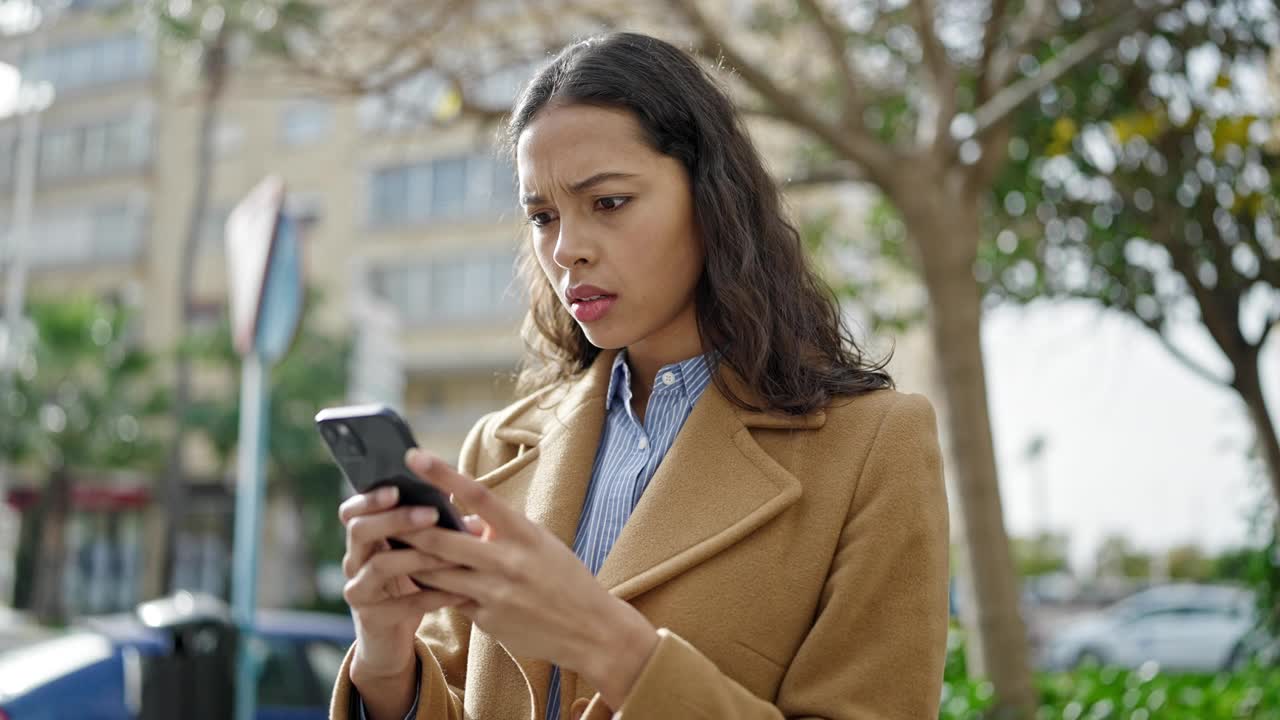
(270, 26)
(1108, 692)
(1041, 555)
(83, 393)
(1117, 557)
(875, 267)
(312, 375)
(1135, 183)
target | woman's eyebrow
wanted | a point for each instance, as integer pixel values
(580, 186)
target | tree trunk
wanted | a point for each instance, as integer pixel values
(51, 552)
(213, 81)
(1248, 384)
(945, 233)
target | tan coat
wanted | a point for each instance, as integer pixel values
(796, 566)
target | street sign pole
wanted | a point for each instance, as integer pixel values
(265, 270)
(255, 402)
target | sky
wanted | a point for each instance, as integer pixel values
(1137, 445)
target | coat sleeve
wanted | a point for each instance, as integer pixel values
(877, 645)
(440, 642)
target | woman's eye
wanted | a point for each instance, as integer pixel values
(612, 203)
(540, 219)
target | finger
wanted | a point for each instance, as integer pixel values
(395, 563)
(469, 493)
(476, 525)
(368, 502)
(363, 593)
(391, 523)
(367, 534)
(459, 548)
(357, 556)
(421, 602)
(463, 582)
(369, 585)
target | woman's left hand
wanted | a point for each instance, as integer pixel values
(531, 592)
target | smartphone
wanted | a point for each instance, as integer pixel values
(369, 443)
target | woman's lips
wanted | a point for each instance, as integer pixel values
(592, 309)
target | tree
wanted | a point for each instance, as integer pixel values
(207, 28)
(915, 97)
(84, 398)
(1042, 554)
(1148, 183)
(1116, 557)
(311, 375)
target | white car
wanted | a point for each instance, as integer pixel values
(1179, 627)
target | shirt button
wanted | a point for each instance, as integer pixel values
(668, 378)
(643, 444)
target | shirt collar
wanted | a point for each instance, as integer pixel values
(693, 376)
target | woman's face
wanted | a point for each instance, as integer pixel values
(612, 227)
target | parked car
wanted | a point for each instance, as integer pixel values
(1180, 626)
(17, 629)
(169, 657)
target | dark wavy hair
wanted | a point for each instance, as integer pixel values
(759, 301)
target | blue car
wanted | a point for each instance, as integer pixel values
(171, 660)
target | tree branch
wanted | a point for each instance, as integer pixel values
(838, 48)
(1218, 315)
(822, 176)
(1036, 19)
(991, 33)
(1183, 358)
(941, 72)
(1270, 325)
(854, 143)
(1008, 99)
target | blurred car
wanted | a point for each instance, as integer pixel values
(17, 629)
(97, 670)
(1185, 627)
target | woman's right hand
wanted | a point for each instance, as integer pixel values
(386, 604)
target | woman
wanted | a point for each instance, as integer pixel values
(711, 506)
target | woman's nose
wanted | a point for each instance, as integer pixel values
(573, 246)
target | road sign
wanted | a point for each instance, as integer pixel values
(262, 256)
(265, 284)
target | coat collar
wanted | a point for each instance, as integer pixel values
(715, 486)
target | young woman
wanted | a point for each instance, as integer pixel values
(711, 506)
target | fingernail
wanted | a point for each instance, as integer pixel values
(423, 516)
(388, 495)
(414, 457)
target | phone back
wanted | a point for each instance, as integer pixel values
(368, 442)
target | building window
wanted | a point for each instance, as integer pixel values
(8, 156)
(92, 64)
(448, 186)
(305, 121)
(103, 147)
(445, 188)
(449, 289)
(107, 233)
(58, 150)
(227, 138)
(118, 233)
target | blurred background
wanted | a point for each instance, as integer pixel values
(1060, 216)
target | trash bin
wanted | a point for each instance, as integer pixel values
(193, 680)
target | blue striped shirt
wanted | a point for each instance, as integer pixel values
(626, 459)
(628, 456)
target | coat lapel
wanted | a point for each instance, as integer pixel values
(548, 482)
(715, 486)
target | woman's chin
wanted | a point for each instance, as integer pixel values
(605, 338)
